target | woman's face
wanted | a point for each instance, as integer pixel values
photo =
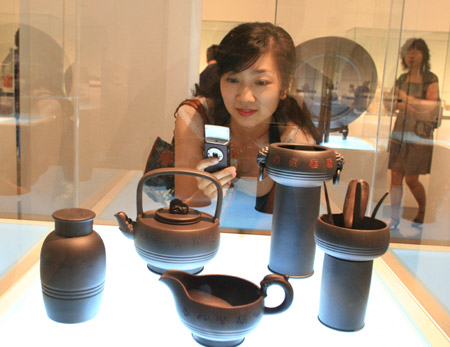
(413, 58)
(252, 96)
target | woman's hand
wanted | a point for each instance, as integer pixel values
(406, 103)
(224, 176)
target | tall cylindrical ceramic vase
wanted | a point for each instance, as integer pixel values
(73, 267)
(292, 247)
(347, 269)
(299, 171)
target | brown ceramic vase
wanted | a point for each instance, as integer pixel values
(73, 267)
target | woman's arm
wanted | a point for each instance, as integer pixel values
(422, 108)
(189, 138)
(188, 151)
(390, 99)
(291, 133)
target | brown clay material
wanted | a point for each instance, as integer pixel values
(221, 310)
(175, 238)
(73, 267)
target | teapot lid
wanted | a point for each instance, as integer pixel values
(177, 213)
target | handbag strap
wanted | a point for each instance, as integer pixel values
(198, 106)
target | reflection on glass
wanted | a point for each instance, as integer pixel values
(9, 83)
(10, 180)
(417, 110)
(328, 69)
(42, 124)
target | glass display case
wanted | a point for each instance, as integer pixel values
(91, 84)
(132, 291)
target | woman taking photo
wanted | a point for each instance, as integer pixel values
(255, 64)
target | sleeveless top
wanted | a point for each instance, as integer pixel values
(195, 122)
(191, 117)
(405, 123)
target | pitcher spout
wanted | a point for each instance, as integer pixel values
(126, 225)
(177, 281)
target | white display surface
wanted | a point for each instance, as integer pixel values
(138, 310)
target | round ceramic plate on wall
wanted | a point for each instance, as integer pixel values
(335, 75)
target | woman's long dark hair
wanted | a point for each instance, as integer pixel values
(420, 45)
(239, 50)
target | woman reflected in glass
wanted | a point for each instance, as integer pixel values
(255, 65)
(411, 144)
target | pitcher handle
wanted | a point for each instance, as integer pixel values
(282, 281)
(180, 171)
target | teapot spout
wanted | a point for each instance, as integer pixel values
(126, 225)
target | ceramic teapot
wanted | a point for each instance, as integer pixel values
(221, 310)
(175, 237)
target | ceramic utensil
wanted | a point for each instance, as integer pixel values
(327, 200)
(220, 310)
(175, 237)
(298, 171)
(375, 210)
(355, 203)
(73, 267)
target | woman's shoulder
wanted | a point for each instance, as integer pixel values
(402, 78)
(194, 113)
(430, 77)
(293, 133)
(199, 104)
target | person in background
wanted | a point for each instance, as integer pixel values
(10, 80)
(416, 108)
(208, 77)
(255, 64)
(361, 97)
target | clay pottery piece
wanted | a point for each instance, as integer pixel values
(299, 171)
(175, 237)
(355, 203)
(347, 268)
(221, 310)
(73, 267)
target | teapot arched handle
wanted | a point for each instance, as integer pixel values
(179, 171)
(288, 292)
